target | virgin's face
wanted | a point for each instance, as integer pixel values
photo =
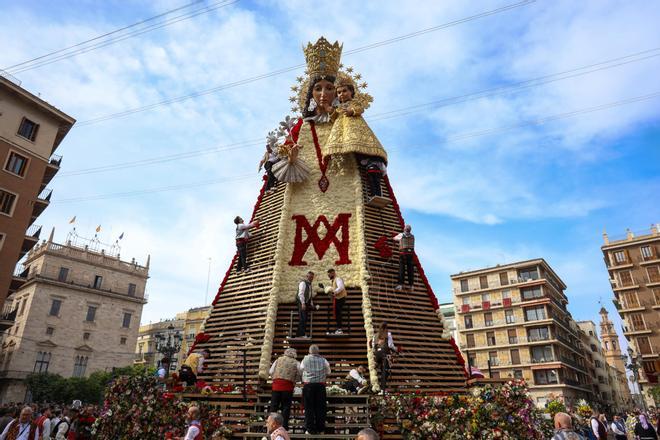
(323, 93)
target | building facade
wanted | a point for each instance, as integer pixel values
(615, 360)
(146, 349)
(78, 312)
(604, 396)
(633, 264)
(194, 320)
(512, 321)
(30, 132)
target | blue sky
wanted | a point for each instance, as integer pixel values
(474, 199)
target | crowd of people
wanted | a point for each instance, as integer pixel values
(637, 426)
(47, 421)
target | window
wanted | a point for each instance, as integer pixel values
(656, 296)
(620, 256)
(55, 307)
(513, 336)
(613, 345)
(7, 202)
(607, 345)
(42, 362)
(469, 340)
(79, 366)
(488, 319)
(535, 313)
(22, 308)
(483, 282)
(2, 239)
(637, 321)
(495, 374)
(140, 347)
(647, 252)
(86, 336)
(504, 279)
(515, 357)
(625, 278)
(50, 331)
(531, 293)
(517, 374)
(98, 281)
(16, 164)
(464, 286)
(126, 322)
(644, 345)
(529, 273)
(122, 341)
(63, 275)
(485, 297)
(506, 294)
(545, 377)
(593, 348)
(28, 129)
(91, 313)
(508, 315)
(131, 289)
(490, 338)
(542, 354)
(466, 301)
(653, 273)
(468, 321)
(492, 357)
(538, 334)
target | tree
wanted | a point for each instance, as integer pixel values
(654, 393)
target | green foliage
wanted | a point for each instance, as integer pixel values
(654, 393)
(555, 406)
(47, 387)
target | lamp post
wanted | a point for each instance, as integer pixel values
(634, 367)
(169, 343)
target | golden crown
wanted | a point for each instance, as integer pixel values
(322, 58)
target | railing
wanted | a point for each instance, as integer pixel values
(539, 338)
(55, 160)
(21, 272)
(45, 195)
(542, 360)
(8, 313)
(33, 231)
(572, 362)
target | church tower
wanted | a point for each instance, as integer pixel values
(610, 341)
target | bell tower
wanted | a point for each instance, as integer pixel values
(610, 341)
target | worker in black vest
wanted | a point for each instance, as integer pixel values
(305, 303)
(406, 250)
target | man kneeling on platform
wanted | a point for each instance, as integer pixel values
(338, 292)
(285, 372)
(355, 381)
(192, 366)
(305, 303)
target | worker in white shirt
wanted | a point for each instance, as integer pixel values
(338, 292)
(242, 238)
(355, 380)
(305, 302)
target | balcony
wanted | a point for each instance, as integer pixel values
(52, 169)
(41, 202)
(18, 278)
(31, 238)
(7, 317)
(653, 279)
(624, 284)
(640, 329)
(543, 360)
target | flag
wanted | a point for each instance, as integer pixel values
(73, 220)
(98, 228)
(121, 236)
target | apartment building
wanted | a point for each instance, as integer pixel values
(78, 312)
(603, 390)
(633, 264)
(30, 131)
(512, 321)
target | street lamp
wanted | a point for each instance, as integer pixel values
(169, 343)
(634, 367)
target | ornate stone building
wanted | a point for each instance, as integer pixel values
(78, 312)
(615, 360)
(512, 320)
(30, 131)
(146, 352)
(193, 320)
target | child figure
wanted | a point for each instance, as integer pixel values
(350, 132)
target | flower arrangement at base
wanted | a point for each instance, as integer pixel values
(492, 412)
(136, 408)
